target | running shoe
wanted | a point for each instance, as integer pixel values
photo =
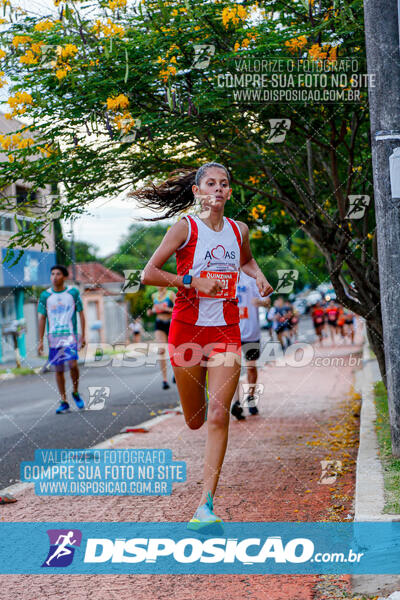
(204, 517)
(165, 385)
(237, 411)
(63, 408)
(7, 499)
(253, 410)
(78, 400)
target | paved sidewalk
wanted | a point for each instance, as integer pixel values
(272, 472)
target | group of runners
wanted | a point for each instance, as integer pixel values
(283, 320)
(334, 317)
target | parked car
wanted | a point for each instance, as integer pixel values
(313, 297)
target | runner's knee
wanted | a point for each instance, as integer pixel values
(218, 416)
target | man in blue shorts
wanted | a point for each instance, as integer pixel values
(59, 305)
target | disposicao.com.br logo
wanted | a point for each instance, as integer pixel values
(213, 550)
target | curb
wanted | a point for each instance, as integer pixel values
(369, 494)
(21, 486)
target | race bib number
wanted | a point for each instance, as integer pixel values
(229, 279)
(243, 312)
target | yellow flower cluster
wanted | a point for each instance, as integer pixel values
(123, 119)
(20, 39)
(257, 211)
(63, 53)
(114, 4)
(166, 73)
(233, 14)
(168, 64)
(2, 53)
(62, 71)
(257, 234)
(175, 12)
(116, 103)
(8, 142)
(45, 25)
(246, 42)
(2, 81)
(31, 55)
(124, 122)
(296, 44)
(29, 58)
(67, 51)
(324, 52)
(18, 103)
(108, 29)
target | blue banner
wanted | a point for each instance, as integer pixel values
(165, 548)
(33, 268)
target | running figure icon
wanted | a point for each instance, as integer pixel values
(62, 549)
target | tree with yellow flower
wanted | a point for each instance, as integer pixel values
(89, 81)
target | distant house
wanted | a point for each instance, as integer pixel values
(104, 304)
(33, 268)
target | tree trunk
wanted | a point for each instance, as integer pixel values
(377, 346)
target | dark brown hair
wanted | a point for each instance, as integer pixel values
(175, 194)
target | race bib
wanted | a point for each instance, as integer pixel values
(229, 279)
(243, 312)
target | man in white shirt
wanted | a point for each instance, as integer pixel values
(249, 300)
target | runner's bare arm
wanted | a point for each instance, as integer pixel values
(83, 334)
(153, 274)
(249, 265)
(42, 326)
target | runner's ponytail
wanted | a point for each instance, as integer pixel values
(174, 195)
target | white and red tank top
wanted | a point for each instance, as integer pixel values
(211, 254)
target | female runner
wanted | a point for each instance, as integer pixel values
(204, 337)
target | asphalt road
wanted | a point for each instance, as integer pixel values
(133, 395)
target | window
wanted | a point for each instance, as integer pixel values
(25, 196)
(6, 224)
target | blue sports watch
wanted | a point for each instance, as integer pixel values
(187, 280)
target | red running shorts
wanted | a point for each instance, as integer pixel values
(190, 345)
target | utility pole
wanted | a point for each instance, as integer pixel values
(383, 59)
